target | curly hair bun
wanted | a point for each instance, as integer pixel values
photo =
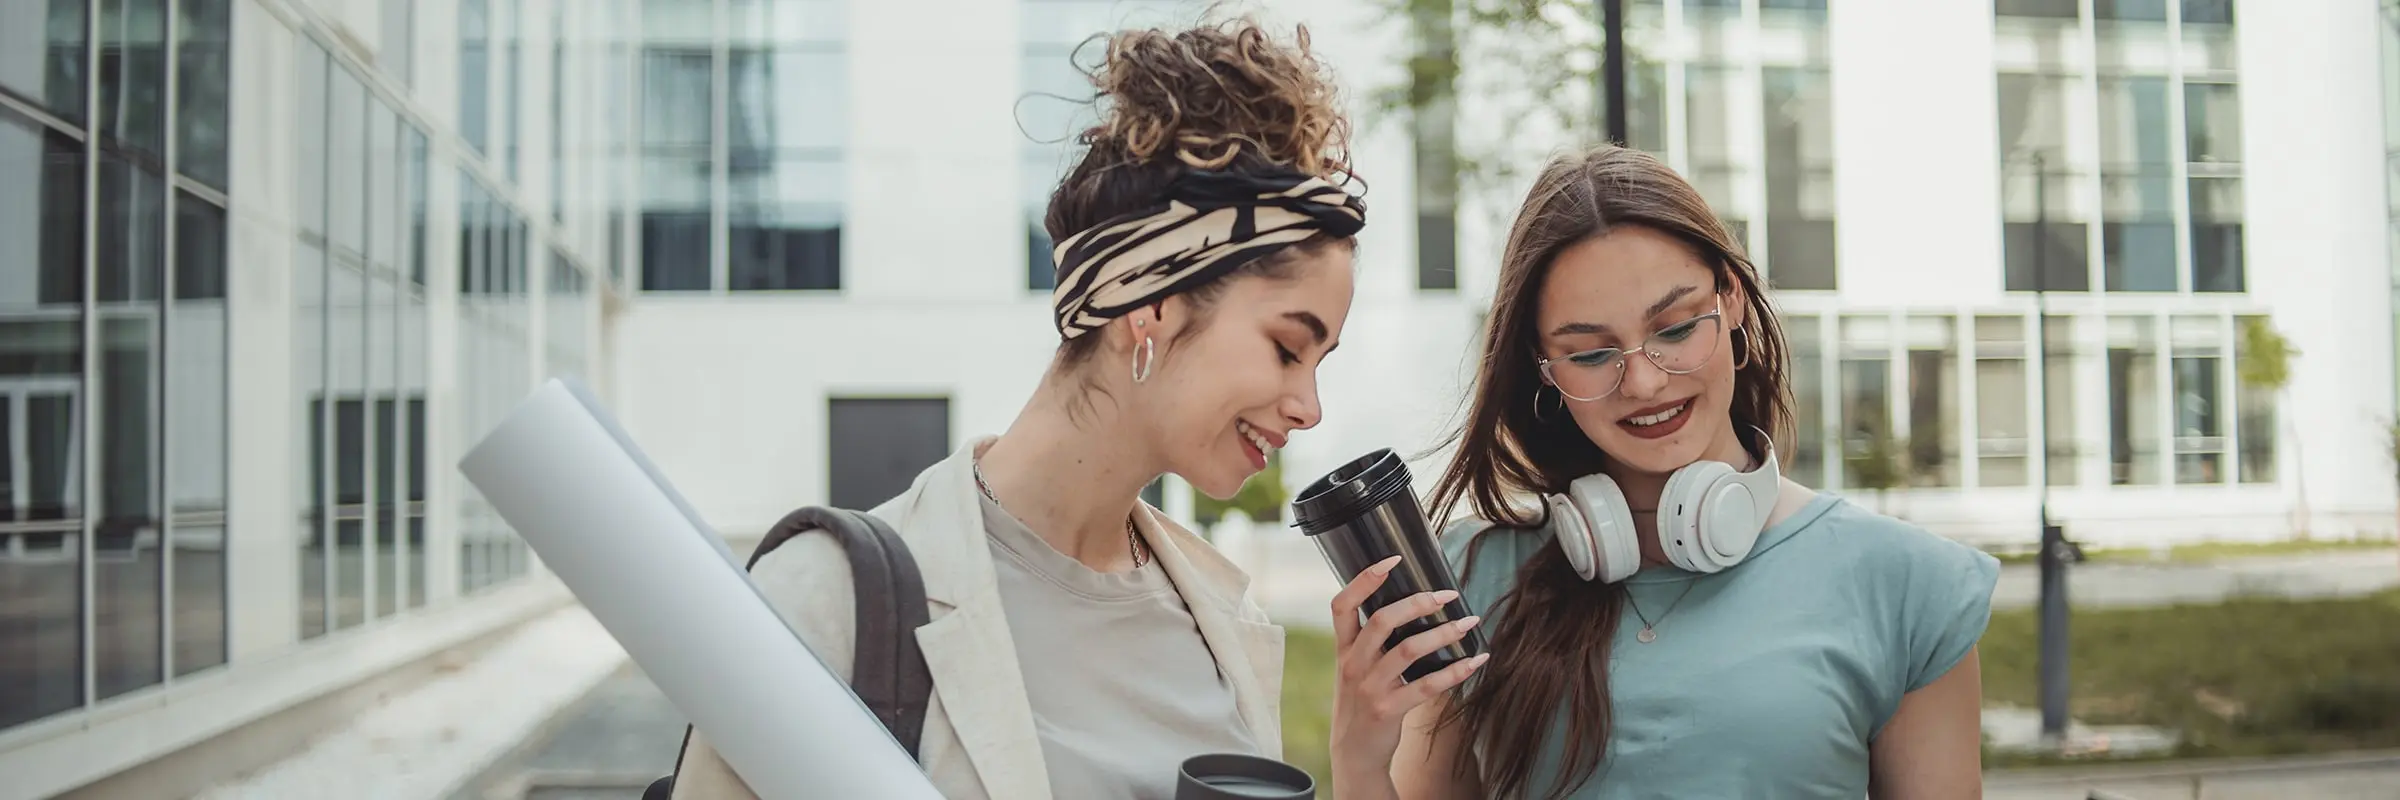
(1210, 95)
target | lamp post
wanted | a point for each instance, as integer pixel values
(1612, 70)
(2056, 552)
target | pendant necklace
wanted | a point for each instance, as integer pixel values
(1649, 632)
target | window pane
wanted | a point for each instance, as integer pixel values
(129, 563)
(2036, 8)
(2134, 401)
(2212, 120)
(382, 186)
(346, 384)
(1932, 402)
(132, 242)
(1806, 463)
(2208, 39)
(474, 73)
(41, 270)
(2003, 439)
(2058, 402)
(196, 421)
(203, 78)
(346, 163)
(133, 75)
(1433, 134)
(42, 58)
(2217, 235)
(2137, 186)
(1798, 109)
(1871, 451)
(786, 126)
(2199, 422)
(676, 110)
(382, 362)
(415, 142)
(785, 224)
(308, 386)
(508, 25)
(310, 99)
(2043, 229)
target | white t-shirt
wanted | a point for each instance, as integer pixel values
(1123, 687)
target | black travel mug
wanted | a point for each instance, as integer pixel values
(1232, 776)
(1366, 511)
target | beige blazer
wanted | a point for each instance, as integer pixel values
(979, 741)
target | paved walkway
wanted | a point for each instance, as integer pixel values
(424, 743)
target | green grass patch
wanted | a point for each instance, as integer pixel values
(2214, 551)
(1308, 686)
(2248, 677)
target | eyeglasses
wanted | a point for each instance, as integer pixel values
(1679, 349)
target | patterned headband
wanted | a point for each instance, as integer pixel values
(1209, 224)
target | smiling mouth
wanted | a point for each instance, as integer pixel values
(1659, 417)
(1260, 443)
(1659, 421)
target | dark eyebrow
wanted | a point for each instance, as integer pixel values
(1657, 308)
(1316, 327)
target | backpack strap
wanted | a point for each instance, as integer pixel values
(887, 669)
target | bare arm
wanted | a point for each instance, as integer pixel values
(1424, 766)
(1933, 745)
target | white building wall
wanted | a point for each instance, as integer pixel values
(729, 391)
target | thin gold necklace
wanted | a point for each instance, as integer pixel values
(1133, 539)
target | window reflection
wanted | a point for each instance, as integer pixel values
(41, 420)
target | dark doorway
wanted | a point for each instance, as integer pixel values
(880, 444)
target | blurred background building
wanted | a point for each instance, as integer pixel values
(268, 266)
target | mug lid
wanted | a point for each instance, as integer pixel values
(1234, 776)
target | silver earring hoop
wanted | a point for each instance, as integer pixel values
(1142, 360)
(1742, 347)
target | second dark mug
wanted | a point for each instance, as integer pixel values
(1366, 511)
(1233, 776)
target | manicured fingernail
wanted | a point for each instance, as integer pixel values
(1385, 566)
(1445, 595)
(1469, 623)
(1477, 661)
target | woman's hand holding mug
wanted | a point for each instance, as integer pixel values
(1371, 699)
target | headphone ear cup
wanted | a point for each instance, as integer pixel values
(1574, 535)
(1681, 510)
(1595, 529)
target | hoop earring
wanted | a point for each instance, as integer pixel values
(1741, 349)
(1537, 402)
(1142, 361)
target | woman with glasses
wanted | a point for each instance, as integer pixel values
(1669, 616)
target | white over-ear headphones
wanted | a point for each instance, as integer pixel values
(1709, 516)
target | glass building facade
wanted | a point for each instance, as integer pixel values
(238, 233)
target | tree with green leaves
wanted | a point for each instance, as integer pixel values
(2265, 364)
(1875, 461)
(1538, 82)
(1262, 498)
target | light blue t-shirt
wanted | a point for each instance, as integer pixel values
(1770, 679)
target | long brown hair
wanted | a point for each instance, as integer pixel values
(1555, 644)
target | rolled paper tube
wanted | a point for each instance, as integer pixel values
(568, 479)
